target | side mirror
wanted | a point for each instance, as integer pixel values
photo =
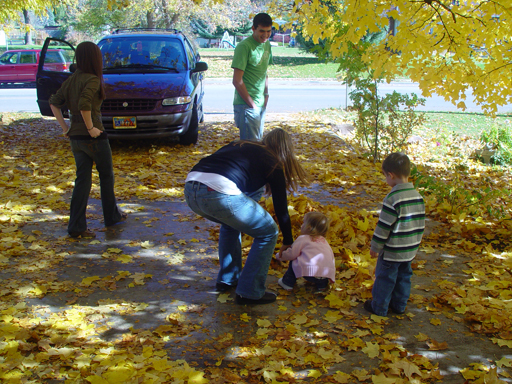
(201, 66)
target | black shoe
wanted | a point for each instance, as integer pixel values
(395, 311)
(87, 234)
(267, 298)
(368, 306)
(223, 287)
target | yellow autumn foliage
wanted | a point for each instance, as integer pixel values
(449, 48)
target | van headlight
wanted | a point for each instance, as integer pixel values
(177, 100)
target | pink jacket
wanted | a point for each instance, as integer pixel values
(314, 257)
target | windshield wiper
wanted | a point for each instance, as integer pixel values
(149, 66)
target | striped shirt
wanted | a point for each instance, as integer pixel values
(401, 224)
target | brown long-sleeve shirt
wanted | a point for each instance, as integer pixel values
(80, 92)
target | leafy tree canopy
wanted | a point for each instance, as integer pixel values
(448, 47)
(201, 29)
(10, 9)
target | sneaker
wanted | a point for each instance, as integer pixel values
(268, 297)
(82, 235)
(368, 306)
(283, 285)
(223, 287)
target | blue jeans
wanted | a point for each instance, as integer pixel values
(290, 279)
(87, 152)
(249, 121)
(236, 214)
(392, 286)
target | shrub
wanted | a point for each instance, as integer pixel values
(380, 125)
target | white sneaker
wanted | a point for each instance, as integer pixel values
(283, 285)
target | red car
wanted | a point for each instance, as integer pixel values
(20, 65)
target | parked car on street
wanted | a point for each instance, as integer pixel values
(20, 65)
(153, 83)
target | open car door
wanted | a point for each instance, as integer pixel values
(55, 66)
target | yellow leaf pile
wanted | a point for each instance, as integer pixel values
(71, 311)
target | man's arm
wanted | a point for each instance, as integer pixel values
(265, 93)
(238, 82)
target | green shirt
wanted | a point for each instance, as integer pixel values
(80, 92)
(253, 58)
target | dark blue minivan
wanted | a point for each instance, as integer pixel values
(153, 81)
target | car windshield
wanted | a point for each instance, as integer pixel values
(143, 51)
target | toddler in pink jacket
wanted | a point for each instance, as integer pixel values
(310, 255)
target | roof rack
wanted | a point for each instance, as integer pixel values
(125, 30)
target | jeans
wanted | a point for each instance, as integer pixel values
(250, 121)
(236, 214)
(87, 152)
(392, 286)
(290, 279)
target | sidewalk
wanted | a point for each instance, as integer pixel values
(155, 276)
(137, 304)
(228, 117)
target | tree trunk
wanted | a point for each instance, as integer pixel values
(376, 155)
(151, 19)
(28, 33)
(167, 20)
(174, 20)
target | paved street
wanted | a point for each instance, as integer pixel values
(286, 96)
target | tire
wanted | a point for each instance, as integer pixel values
(190, 137)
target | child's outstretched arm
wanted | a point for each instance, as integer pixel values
(293, 252)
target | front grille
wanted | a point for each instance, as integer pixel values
(116, 105)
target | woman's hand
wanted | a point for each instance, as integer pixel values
(58, 115)
(283, 248)
(94, 132)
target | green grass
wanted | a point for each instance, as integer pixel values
(12, 47)
(458, 123)
(289, 63)
(470, 124)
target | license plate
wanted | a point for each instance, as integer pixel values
(129, 122)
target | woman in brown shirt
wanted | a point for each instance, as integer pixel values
(82, 93)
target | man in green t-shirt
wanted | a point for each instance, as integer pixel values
(250, 61)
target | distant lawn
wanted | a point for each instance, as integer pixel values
(458, 123)
(470, 124)
(289, 63)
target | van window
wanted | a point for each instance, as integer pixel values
(9, 58)
(141, 50)
(53, 57)
(27, 58)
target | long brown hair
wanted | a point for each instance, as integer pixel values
(90, 60)
(279, 143)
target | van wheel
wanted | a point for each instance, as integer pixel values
(190, 137)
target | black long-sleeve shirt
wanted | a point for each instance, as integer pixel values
(251, 167)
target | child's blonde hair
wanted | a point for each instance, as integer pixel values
(316, 223)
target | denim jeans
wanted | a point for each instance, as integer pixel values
(236, 214)
(250, 121)
(87, 152)
(290, 279)
(392, 286)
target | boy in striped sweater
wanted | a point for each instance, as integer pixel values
(396, 238)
